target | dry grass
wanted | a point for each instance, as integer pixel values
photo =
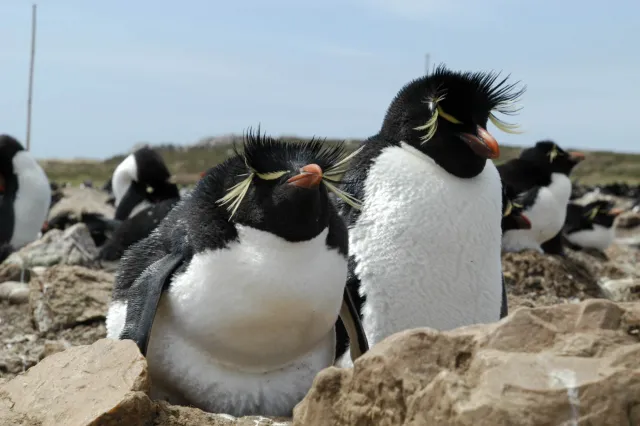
(186, 163)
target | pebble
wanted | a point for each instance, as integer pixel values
(14, 291)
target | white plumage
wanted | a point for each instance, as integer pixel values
(31, 206)
(427, 245)
(598, 238)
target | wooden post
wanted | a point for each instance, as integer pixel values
(30, 96)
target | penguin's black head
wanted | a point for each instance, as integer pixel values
(152, 172)
(547, 156)
(601, 212)
(512, 216)
(280, 187)
(445, 115)
(9, 147)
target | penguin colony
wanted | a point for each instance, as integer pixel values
(288, 258)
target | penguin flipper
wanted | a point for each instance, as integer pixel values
(144, 297)
(504, 307)
(349, 315)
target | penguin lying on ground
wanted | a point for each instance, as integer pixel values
(140, 180)
(25, 196)
(100, 227)
(541, 176)
(426, 246)
(247, 275)
(590, 226)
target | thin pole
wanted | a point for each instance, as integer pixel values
(426, 63)
(33, 55)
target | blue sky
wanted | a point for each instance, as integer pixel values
(112, 74)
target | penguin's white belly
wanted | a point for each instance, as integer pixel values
(598, 238)
(547, 216)
(31, 206)
(427, 245)
(245, 330)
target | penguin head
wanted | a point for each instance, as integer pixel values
(512, 216)
(548, 157)
(9, 168)
(601, 212)
(445, 115)
(280, 187)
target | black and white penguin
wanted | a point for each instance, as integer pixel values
(25, 195)
(100, 227)
(541, 176)
(425, 248)
(591, 225)
(247, 274)
(140, 180)
(134, 229)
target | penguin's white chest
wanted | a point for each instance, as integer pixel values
(32, 202)
(547, 216)
(598, 238)
(427, 245)
(245, 329)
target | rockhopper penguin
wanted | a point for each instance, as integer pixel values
(25, 196)
(425, 248)
(591, 225)
(541, 176)
(247, 274)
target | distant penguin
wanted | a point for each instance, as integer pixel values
(591, 225)
(247, 274)
(140, 180)
(100, 228)
(134, 229)
(25, 195)
(541, 175)
(426, 245)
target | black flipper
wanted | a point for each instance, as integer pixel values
(554, 245)
(358, 342)
(504, 307)
(143, 298)
(134, 196)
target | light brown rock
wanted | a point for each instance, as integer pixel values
(572, 364)
(14, 292)
(101, 384)
(65, 296)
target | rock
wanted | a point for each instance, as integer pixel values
(545, 280)
(102, 384)
(53, 347)
(73, 246)
(14, 272)
(623, 290)
(66, 296)
(14, 292)
(628, 220)
(571, 364)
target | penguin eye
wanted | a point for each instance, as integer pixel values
(149, 189)
(450, 118)
(507, 211)
(272, 175)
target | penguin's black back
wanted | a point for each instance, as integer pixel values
(9, 147)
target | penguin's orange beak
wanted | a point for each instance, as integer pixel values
(616, 211)
(576, 156)
(202, 174)
(45, 227)
(523, 222)
(310, 177)
(482, 143)
(1, 184)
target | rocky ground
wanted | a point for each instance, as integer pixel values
(582, 331)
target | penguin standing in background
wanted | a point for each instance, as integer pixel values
(591, 226)
(541, 176)
(425, 247)
(247, 275)
(140, 180)
(25, 196)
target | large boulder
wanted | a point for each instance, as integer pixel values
(571, 364)
(103, 384)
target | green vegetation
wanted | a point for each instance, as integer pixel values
(186, 163)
